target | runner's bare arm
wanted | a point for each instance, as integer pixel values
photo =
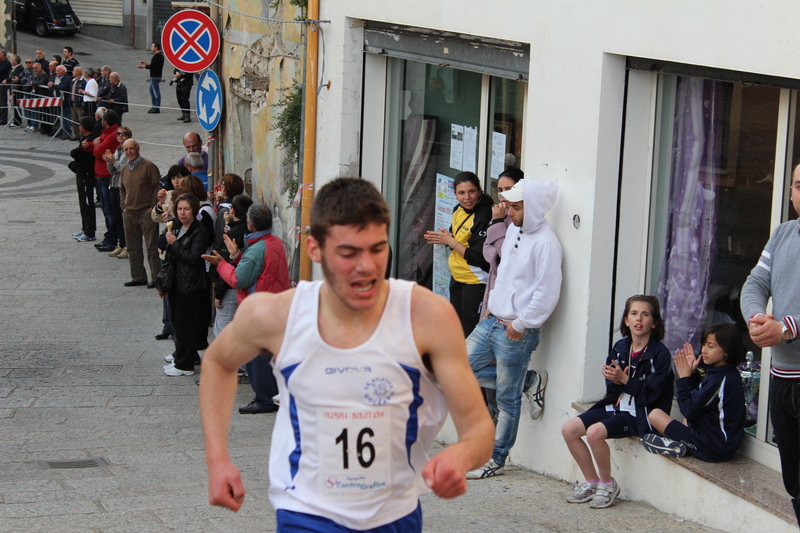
(258, 325)
(437, 332)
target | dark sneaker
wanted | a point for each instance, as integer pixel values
(663, 446)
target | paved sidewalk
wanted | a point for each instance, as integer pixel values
(81, 377)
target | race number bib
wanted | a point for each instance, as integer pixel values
(354, 449)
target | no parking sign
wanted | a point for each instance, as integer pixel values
(190, 40)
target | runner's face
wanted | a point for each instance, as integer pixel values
(354, 263)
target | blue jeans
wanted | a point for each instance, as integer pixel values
(104, 192)
(155, 92)
(487, 345)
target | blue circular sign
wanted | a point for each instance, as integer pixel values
(208, 100)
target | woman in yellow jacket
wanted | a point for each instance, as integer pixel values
(468, 268)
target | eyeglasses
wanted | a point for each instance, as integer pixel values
(28, 62)
(121, 133)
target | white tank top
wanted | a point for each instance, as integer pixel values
(355, 426)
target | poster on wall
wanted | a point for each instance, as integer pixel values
(445, 201)
(456, 146)
(498, 153)
(469, 163)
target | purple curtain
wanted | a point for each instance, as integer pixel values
(697, 159)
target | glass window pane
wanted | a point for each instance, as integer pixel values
(424, 102)
(716, 208)
(504, 148)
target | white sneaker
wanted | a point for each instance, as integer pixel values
(490, 469)
(169, 359)
(76, 235)
(535, 394)
(582, 492)
(605, 495)
(170, 370)
(276, 399)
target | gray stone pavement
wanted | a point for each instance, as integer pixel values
(81, 378)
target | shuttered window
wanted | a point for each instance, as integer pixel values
(104, 12)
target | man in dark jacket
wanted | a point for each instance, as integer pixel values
(14, 70)
(60, 87)
(37, 83)
(156, 67)
(84, 179)
(117, 98)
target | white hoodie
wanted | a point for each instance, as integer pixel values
(529, 277)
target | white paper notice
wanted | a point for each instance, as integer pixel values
(456, 146)
(469, 163)
(498, 153)
(445, 200)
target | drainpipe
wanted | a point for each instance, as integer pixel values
(133, 23)
(309, 135)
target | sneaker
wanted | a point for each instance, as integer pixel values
(535, 393)
(123, 254)
(605, 495)
(116, 252)
(490, 469)
(582, 492)
(662, 445)
(76, 235)
(30, 129)
(13, 125)
(170, 370)
(85, 238)
(276, 399)
(169, 359)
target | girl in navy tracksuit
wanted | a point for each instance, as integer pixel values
(710, 396)
(638, 374)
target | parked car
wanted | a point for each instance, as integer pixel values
(47, 16)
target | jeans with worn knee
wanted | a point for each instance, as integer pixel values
(488, 345)
(225, 315)
(155, 92)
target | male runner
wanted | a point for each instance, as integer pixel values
(364, 367)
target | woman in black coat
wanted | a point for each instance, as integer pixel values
(185, 241)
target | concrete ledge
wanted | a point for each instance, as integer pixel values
(741, 476)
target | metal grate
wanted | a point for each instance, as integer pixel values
(71, 370)
(74, 463)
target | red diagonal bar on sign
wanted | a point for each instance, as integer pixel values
(190, 40)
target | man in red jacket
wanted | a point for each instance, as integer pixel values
(106, 141)
(261, 268)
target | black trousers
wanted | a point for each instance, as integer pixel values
(183, 94)
(784, 401)
(85, 187)
(467, 300)
(186, 311)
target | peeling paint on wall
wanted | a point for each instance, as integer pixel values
(260, 59)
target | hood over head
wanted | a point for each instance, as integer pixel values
(538, 198)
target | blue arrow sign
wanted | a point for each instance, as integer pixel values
(208, 100)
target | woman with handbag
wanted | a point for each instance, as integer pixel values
(187, 286)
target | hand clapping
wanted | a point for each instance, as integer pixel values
(685, 361)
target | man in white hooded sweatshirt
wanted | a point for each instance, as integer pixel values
(526, 292)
